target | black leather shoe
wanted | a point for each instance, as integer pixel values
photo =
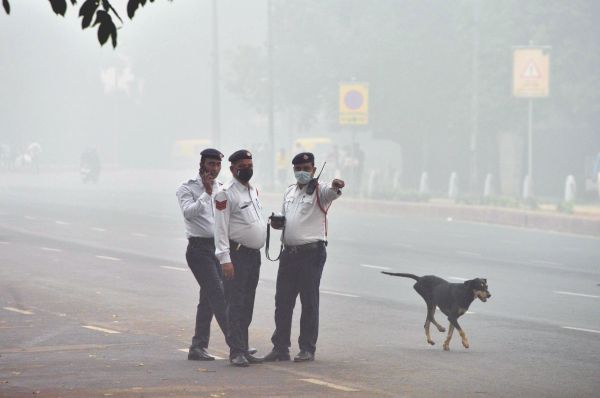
(199, 354)
(275, 355)
(252, 359)
(304, 356)
(239, 360)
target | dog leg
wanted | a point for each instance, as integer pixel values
(430, 311)
(439, 327)
(463, 337)
(449, 337)
(427, 322)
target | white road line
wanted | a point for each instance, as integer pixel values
(98, 229)
(470, 313)
(404, 245)
(374, 267)
(330, 385)
(108, 258)
(31, 218)
(100, 329)
(213, 355)
(457, 278)
(543, 262)
(61, 222)
(2, 242)
(465, 253)
(581, 329)
(575, 294)
(173, 268)
(139, 234)
(51, 249)
(338, 294)
(24, 312)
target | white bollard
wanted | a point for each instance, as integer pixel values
(396, 180)
(453, 186)
(424, 184)
(488, 190)
(570, 189)
(371, 184)
(526, 188)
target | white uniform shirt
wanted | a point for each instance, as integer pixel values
(304, 220)
(197, 208)
(238, 217)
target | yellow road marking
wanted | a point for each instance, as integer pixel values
(24, 312)
(99, 329)
(330, 385)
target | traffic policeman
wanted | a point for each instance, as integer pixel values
(240, 233)
(196, 199)
(305, 207)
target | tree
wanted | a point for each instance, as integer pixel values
(101, 9)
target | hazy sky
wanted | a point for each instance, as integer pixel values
(56, 77)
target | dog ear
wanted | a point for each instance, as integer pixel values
(466, 283)
(484, 281)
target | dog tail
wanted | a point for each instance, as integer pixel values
(403, 275)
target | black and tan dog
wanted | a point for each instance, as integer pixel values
(453, 299)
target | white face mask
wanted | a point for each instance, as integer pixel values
(303, 177)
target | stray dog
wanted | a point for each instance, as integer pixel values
(453, 299)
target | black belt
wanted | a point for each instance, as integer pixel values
(238, 247)
(306, 246)
(198, 241)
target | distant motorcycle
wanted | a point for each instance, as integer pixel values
(89, 175)
(90, 166)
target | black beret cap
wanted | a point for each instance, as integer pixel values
(211, 153)
(239, 155)
(303, 157)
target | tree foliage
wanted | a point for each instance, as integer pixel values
(100, 12)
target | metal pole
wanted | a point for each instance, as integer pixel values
(474, 101)
(216, 106)
(530, 148)
(271, 147)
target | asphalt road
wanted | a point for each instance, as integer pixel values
(96, 300)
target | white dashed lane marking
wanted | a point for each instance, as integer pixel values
(98, 329)
(24, 312)
(31, 218)
(2, 242)
(108, 258)
(338, 294)
(466, 253)
(173, 268)
(61, 222)
(98, 229)
(581, 329)
(375, 267)
(138, 234)
(403, 245)
(576, 294)
(330, 385)
(544, 262)
(51, 249)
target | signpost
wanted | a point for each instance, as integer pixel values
(354, 103)
(531, 79)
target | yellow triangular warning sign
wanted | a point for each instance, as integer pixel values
(531, 71)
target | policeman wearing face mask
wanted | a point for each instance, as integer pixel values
(240, 233)
(305, 207)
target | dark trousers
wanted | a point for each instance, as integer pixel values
(239, 294)
(201, 259)
(299, 273)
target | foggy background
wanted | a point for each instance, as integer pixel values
(439, 77)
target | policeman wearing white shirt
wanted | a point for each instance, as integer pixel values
(196, 202)
(305, 207)
(240, 233)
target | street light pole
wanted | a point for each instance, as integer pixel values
(474, 101)
(271, 151)
(216, 97)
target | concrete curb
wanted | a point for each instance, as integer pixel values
(542, 220)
